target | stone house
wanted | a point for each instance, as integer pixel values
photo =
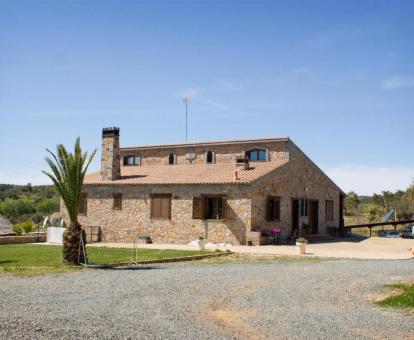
(226, 191)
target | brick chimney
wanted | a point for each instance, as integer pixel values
(110, 159)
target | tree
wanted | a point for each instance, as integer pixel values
(47, 206)
(67, 173)
(351, 203)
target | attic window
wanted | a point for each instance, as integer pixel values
(132, 160)
(209, 157)
(171, 159)
(256, 155)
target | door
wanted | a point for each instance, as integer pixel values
(295, 217)
(314, 216)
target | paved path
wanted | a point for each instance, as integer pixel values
(370, 248)
(261, 300)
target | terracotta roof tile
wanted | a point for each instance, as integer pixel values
(188, 174)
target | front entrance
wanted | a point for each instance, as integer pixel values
(295, 217)
(314, 216)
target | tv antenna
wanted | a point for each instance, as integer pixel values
(185, 100)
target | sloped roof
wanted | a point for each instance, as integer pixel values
(208, 143)
(5, 226)
(188, 174)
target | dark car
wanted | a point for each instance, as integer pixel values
(408, 233)
(390, 233)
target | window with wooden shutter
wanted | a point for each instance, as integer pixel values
(161, 206)
(329, 211)
(117, 201)
(214, 207)
(273, 209)
(198, 208)
(83, 204)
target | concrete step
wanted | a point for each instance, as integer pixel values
(316, 238)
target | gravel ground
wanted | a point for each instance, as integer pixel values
(275, 300)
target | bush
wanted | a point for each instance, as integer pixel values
(17, 230)
(24, 227)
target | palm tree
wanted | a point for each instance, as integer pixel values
(68, 172)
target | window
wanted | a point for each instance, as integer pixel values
(132, 160)
(171, 159)
(273, 209)
(304, 207)
(161, 206)
(256, 155)
(117, 201)
(209, 157)
(83, 204)
(329, 211)
(210, 207)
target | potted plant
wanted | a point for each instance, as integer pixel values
(306, 228)
(201, 242)
(301, 245)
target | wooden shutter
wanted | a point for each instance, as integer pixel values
(117, 201)
(156, 207)
(83, 203)
(161, 206)
(269, 209)
(166, 207)
(224, 207)
(198, 208)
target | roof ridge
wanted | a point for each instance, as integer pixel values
(212, 142)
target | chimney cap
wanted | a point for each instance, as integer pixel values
(110, 131)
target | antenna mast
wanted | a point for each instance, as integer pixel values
(185, 100)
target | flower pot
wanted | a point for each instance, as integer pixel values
(201, 244)
(301, 248)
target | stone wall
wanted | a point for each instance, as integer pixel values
(223, 153)
(32, 238)
(110, 157)
(299, 178)
(246, 204)
(181, 228)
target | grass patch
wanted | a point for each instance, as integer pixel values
(109, 255)
(35, 259)
(404, 297)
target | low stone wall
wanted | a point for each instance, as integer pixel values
(32, 238)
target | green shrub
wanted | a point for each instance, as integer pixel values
(17, 230)
(24, 227)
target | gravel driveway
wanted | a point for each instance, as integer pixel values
(275, 300)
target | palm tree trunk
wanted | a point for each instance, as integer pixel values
(73, 251)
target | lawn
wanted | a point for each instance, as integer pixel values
(40, 259)
(404, 297)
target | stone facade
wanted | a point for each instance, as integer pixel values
(246, 205)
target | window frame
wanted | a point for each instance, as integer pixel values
(329, 211)
(304, 207)
(83, 204)
(258, 151)
(223, 199)
(174, 159)
(273, 216)
(137, 160)
(206, 157)
(117, 197)
(152, 206)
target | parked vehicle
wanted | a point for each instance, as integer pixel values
(389, 233)
(408, 233)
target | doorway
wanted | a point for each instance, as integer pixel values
(295, 217)
(314, 216)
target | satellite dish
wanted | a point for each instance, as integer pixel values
(190, 156)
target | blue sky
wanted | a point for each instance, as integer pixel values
(337, 77)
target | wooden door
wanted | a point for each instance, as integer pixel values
(314, 216)
(295, 217)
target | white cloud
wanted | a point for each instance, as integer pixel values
(366, 180)
(397, 82)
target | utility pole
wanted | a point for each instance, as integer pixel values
(185, 100)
